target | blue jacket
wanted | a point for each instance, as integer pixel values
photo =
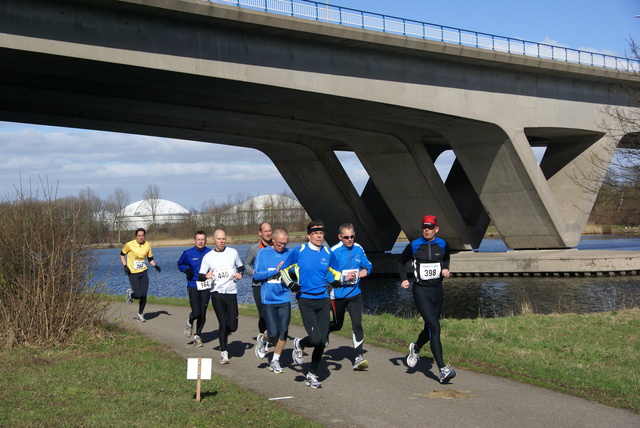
(191, 259)
(272, 289)
(310, 265)
(349, 259)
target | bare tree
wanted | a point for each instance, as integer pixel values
(114, 206)
(151, 197)
(619, 195)
(93, 213)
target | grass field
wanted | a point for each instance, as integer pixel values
(112, 377)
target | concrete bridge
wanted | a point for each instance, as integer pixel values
(301, 90)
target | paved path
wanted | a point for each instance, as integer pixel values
(388, 395)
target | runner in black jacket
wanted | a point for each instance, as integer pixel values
(430, 257)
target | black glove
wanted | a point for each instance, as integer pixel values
(336, 284)
(189, 274)
(158, 268)
(294, 287)
(127, 271)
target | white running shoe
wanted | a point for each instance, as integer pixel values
(360, 363)
(188, 330)
(260, 351)
(140, 318)
(446, 374)
(274, 366)
(414, 355)
(297, 353)
(224, 357)
(197, 341)
(312, 381)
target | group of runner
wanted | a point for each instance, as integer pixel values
(326, 283)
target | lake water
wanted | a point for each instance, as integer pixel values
(464, 297)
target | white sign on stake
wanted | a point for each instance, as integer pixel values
(205, 369)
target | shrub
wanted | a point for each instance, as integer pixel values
(45, 295)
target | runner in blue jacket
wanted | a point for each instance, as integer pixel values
(197, 291)
(312, 264)
(353, 265)
(275, 297)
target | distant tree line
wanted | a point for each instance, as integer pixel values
(104, 220)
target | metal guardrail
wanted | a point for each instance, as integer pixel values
(373, 21)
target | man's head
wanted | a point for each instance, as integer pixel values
(219, 239)
(140, 235)
(265, 232)
(280, 239)
(347, 235)
(429, 227)
(200, 239)
(315, 232)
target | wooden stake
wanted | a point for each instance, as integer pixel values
(198, 381)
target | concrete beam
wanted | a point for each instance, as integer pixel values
(300, 90)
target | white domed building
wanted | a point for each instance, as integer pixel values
(271, 207)
(141, 213)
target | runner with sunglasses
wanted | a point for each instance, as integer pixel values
(353, 264)
(430, 256)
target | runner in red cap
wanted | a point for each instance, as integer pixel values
(430, 257)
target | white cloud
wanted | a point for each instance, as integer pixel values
(186, 172)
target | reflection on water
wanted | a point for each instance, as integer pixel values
(464, 297)
(488, 297)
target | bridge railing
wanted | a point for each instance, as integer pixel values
(389, 24)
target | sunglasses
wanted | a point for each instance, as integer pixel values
(428, 226)
(348, 237)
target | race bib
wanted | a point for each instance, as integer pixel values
(139, 265)
(221, 276)
(428, 271)
(275, 279)
(345, 273)
(204, 285)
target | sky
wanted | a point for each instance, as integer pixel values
(68, 160)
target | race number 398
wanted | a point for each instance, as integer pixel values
(429, 271)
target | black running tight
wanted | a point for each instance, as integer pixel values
(354, 305)
(140, 285)
(429, 303)
(226, 308)
(315, 315)
(199, 300)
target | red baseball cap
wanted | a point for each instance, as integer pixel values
(429, 220)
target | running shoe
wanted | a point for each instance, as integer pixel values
(188, 330)
(129, 295)
(360, 363)
(446, 374)
(197, 341)
(274, 366)
(312, 381)
(297, 353)
(414, 355)
(224, 357)
(140, 318)
(260, 351)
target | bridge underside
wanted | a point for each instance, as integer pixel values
(495, 176)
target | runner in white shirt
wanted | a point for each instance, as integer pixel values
(220, 269)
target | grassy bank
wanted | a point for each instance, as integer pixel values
(118, 378)
(99, 380)
(593, 356)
